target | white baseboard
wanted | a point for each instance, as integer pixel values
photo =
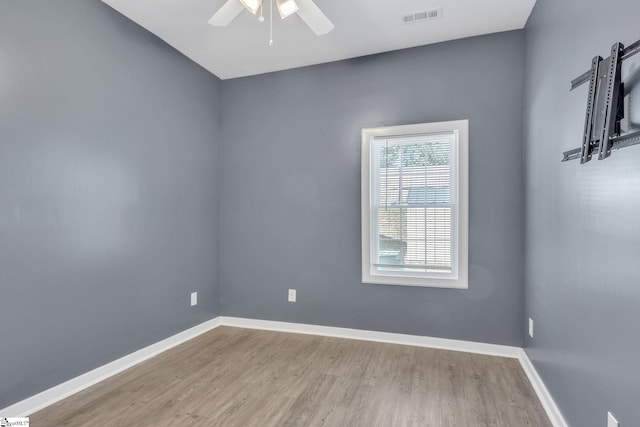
(66, 389)
(549, 405)
(48, 397)
(385, 337)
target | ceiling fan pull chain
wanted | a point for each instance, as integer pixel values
(271, 23)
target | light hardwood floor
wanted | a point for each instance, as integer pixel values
(241, 377)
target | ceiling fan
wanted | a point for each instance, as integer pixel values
(306, 10)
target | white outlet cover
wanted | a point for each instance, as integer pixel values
(194, 298)
(611, 421)
(531, 327)
(292, 295)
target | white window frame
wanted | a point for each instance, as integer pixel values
(455, 281)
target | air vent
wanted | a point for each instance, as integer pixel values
(426, 15)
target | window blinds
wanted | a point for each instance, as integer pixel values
(414, 203)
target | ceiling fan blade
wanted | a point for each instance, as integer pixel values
(313, 17)
(226, 13)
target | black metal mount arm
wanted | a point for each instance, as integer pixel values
(605, 106)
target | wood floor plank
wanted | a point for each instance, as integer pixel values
(241, 377)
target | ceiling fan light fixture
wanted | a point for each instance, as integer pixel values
(286, 8)
(251, 5)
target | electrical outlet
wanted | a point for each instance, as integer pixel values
(194, 298)
(292, 295)
(611, 421)
(530, 327)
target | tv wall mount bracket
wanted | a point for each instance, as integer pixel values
(605, 106)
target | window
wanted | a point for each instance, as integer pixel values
(415, 205)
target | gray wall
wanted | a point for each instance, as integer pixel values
(290, 198)
(583, 233)
(108, 200)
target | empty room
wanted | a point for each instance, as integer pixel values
(320, 213)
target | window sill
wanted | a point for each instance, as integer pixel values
(460, 283)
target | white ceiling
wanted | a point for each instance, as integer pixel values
(363, 27)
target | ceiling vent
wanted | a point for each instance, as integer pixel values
(427, 15)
